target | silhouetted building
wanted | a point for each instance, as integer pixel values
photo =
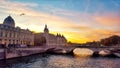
(49, 39)
(9, 34)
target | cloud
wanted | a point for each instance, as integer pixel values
(40, 17)
(62, 17)
(76, 27)
(9, 4)
(89, 35)
(15, 7)
(110, 19)
(97, 34)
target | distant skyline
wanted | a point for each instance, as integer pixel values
(78, 20)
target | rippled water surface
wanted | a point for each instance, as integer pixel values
(60, 61)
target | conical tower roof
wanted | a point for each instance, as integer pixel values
(9, 21)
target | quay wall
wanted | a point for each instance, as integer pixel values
(8, 53)
(20, 52)
(2, 54)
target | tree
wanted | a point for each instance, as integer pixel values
(112, 40)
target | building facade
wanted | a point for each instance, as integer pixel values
(9, 34)
(49, 39)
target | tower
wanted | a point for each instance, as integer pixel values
(46, 29)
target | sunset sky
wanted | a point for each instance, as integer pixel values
(78, 20)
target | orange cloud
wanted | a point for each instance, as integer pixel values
(88, 35)
(108, 19)
(78, 37)
(100, 33)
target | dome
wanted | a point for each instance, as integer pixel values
(9, 21)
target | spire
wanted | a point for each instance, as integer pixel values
(57, 35)
(45, 26)
(63, 36)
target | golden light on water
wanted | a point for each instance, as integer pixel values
(82, 52)
(60, 62)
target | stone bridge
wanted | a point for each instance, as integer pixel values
(19, 52)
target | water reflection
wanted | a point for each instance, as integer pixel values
(82, 62)
(82, 52)
(60, 61)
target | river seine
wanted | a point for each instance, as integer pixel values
(60, 61)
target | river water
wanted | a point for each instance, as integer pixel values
(60, 61)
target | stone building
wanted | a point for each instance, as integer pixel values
(49, 39)
(11, 35)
